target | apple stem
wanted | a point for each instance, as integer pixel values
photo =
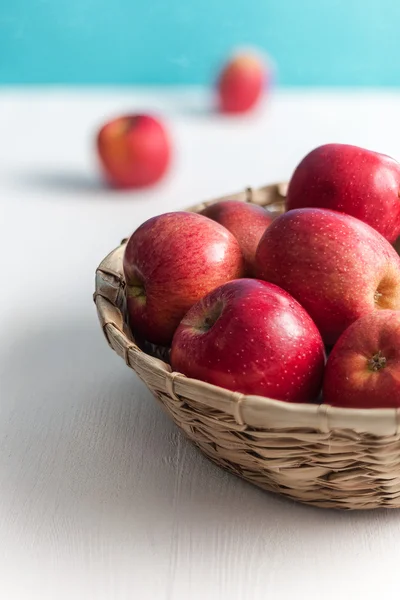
(377, 362)
(208, 322)
(211, 317)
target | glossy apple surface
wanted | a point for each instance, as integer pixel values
(170, 262)
(134, 151)
(352, 180)
(363, 369)
(247, 222)
(336, 266)
(250, 336)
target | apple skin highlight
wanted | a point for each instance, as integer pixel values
(336, 266)
(170, 262)
(351, 180)
(252, 337)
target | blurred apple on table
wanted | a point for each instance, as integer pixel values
(134, 151)
(170, 262)
(241, 83)
(363, 369)
(252, 337)
(352, 180)
(247, 222)
(336, 266)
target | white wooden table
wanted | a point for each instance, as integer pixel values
(101, 497)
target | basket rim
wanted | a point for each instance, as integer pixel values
(256, 412)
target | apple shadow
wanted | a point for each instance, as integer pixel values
(207, 107)
(79, 185)
(67, 181)
(85, 444)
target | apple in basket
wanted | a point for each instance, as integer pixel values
(247, 222)
(252, 337)
(363, 369)
(352, 180)
(170, 262)
(336, 266)
(134, 150)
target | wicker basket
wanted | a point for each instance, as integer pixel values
(317, 454)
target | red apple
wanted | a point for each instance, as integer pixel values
(170, 262)
(352, 180)
(247, 222)
(363, 369)
(336, 266)
(252, 337)
(134, 150)
(241, 83)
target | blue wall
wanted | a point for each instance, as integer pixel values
(314, 42)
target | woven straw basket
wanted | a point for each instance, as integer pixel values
(317, 454)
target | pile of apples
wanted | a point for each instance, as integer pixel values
(255, 304)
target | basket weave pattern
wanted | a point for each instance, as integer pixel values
(317, 454)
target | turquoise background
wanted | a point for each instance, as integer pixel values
(313, 42)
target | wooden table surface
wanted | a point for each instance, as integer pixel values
(101, 497)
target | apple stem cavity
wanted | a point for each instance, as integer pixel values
(131, 122)
(377, 296)
(377, 362)
(138, 292)
(211, 317)
(208, 323)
